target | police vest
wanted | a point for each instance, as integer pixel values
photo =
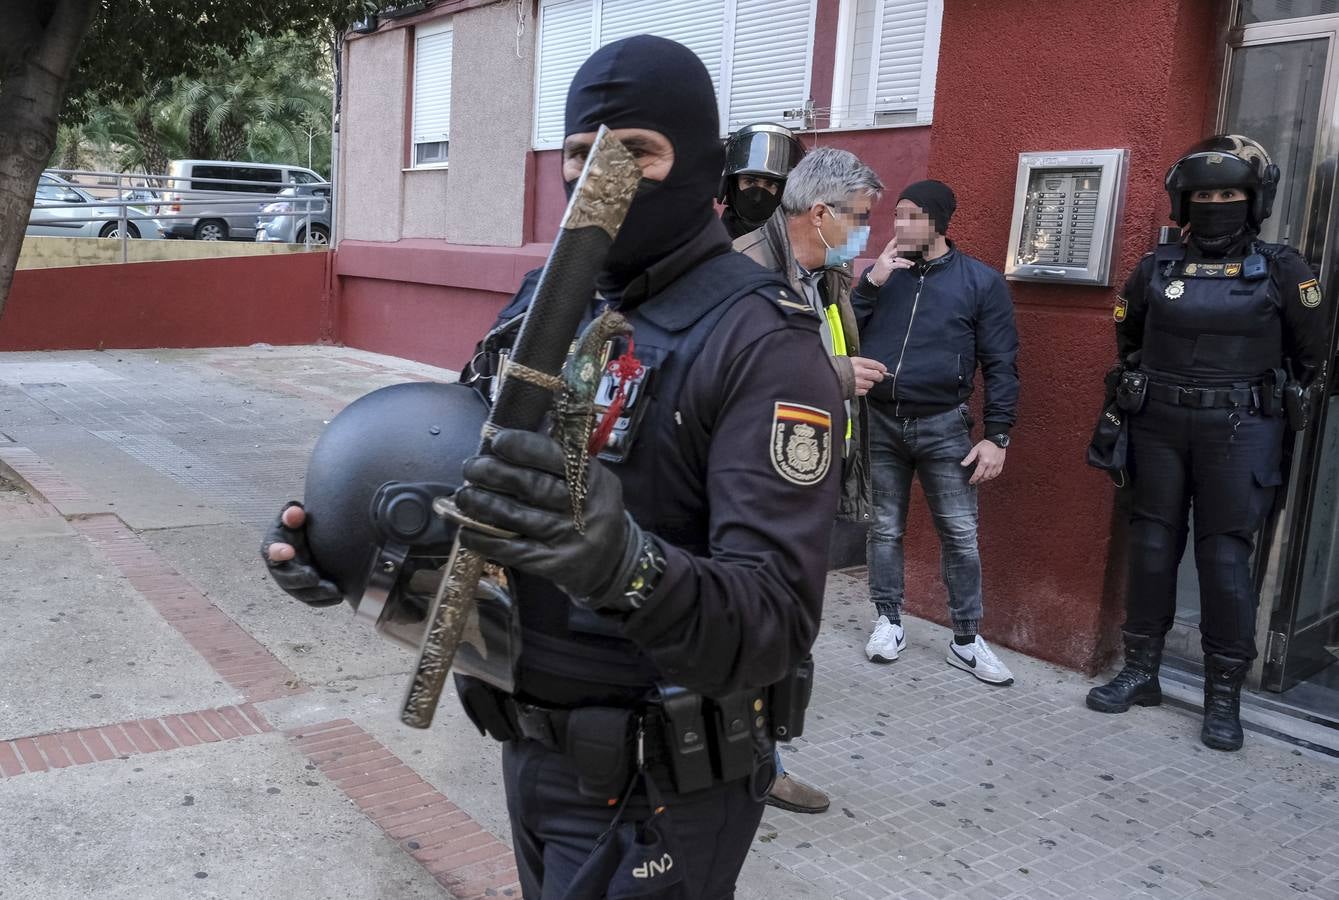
(572, 656)
(1207, 323)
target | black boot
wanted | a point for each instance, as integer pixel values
(1223, 676)
(1137, 682)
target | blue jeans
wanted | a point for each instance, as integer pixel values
(932, 447)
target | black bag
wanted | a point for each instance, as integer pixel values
(1109, 447)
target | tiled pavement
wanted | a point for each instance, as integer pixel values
(148, 659)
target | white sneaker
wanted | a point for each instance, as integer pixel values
(886, 642)
(980, 660)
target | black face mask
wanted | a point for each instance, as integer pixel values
(754, 205)
(622, 85)
(1216, 225)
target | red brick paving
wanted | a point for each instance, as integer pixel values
(83, 746)
(464, 857)
(42, 477)
(239, 659)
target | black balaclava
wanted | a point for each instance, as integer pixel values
(753, 205)
(1217, 226)
(653, 83)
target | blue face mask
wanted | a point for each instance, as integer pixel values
(856, 239)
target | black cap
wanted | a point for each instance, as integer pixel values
(934, 198)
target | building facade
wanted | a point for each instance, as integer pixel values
(449, 190)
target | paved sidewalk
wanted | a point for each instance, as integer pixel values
(171, 725)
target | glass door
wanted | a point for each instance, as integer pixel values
(1280, 88)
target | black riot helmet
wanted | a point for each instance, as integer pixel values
(763, 149)
(1224, 161)
(371, 482)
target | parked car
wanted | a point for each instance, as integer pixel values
(292, 228)
(224, 219)
(53, 215)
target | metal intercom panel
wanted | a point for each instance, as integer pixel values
(1066, 206)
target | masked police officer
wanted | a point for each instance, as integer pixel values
(1222, 339)
(758, 159)
(649, 639)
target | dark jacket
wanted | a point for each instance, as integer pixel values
(932, 325)
(745, 528)
(769, 246)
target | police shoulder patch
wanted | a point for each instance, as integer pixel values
(1309, 291)
(1122, 307)
(801, 442)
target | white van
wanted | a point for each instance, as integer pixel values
(224, 219)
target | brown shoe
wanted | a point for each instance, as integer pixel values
(796, 796)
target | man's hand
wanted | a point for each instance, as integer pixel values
(285, 552)
(989, 459)
(868, 372)
(886, 264)
(520, 487)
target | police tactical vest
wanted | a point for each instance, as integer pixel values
(1206, 323)
(574, 656)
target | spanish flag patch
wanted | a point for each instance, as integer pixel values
(801, 442)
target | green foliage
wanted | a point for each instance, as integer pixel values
(269, 103)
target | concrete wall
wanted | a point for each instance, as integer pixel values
(372, 138)
(480, 199)
(492, 99)
(49, 252)
(224, 302)
(1137, 75)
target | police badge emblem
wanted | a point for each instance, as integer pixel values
(1192, 268)
(1232, 270)
(1122, 307)
(801, 443)
(1310, 293)
(1175, 289)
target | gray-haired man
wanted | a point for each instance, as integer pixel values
(820, 227)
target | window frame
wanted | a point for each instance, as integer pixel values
(841, 73)
(725, 76)
(429, 29)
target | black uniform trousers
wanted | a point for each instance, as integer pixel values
(554, 826)
(1179, 455)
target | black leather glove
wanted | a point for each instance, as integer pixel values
(520, 487)
(298, 576)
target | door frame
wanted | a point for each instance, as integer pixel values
(1284, 538)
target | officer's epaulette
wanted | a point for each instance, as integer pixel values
(1267, 250)
(791, 304)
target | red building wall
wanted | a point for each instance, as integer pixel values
(1033, 76)
(225, 302)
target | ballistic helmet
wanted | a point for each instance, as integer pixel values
(1224, 161)
(763, 149)
(371, 481)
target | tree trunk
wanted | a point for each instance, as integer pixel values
(155, 160)
(36, 56)
(200, 144)
(232, 140)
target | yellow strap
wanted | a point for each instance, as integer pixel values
(838, 343)
(838, 335)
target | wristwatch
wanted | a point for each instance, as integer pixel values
(1000, 440)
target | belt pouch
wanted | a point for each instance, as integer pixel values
(734, 734)
(788, 699)
(1132, 392)
(686, 731)
(484, 707)
(599, 743)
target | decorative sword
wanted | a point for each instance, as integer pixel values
(530, 381)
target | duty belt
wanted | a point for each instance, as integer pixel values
(1241, 395)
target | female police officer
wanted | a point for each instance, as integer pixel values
(1214, 331)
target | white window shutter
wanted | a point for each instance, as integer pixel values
(905, 61)
(566, 39)
(697, 24)
(769, 68)
(432, 85)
